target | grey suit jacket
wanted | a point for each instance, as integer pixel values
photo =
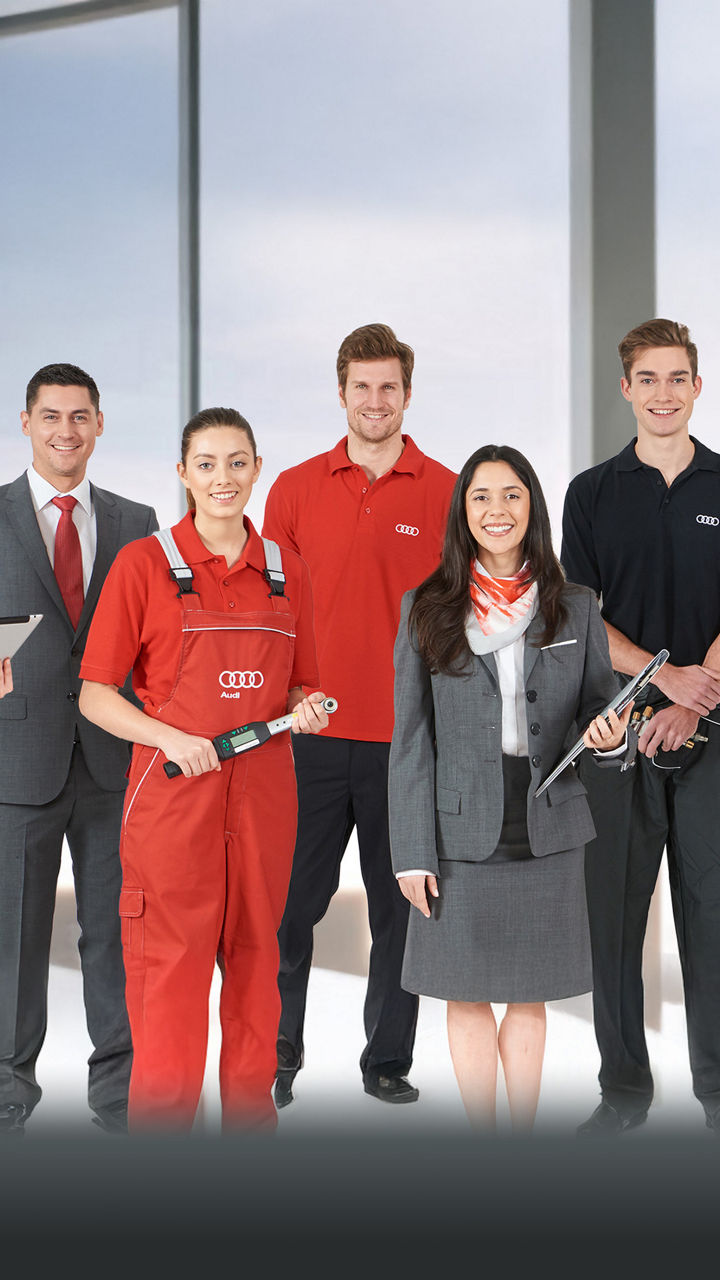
(445, 788)
(39, 719)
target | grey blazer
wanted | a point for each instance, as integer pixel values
(39, 719)
(445, 786)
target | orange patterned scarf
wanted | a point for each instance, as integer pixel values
(501, 604)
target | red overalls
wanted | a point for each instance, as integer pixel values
(206, 864)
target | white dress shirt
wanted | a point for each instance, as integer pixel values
(48, 518)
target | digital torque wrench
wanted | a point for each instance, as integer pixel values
(248, 736)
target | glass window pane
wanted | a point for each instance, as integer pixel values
(88, 223)
(398, 163)
(688, 189)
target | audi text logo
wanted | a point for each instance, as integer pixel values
(407, 528)
(241, 679)
(707, 520)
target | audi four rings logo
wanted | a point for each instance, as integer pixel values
(241, 679)
(707, 520)
(407, 528)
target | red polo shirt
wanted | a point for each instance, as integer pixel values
(365, 545)
(137, 623)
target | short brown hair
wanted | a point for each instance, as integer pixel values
(374, 342)
(61, 375)
(656, 333)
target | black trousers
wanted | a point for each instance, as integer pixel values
(637, 814)
(31, 839)
(342, 785)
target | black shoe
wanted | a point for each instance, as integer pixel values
(392, 1089)
(12, 1117)
(289, 1062)
(283, 1087)
(607, 1122)
(113, 1118)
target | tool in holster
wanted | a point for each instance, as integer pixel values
(640, 720)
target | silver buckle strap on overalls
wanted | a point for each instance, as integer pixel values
(182, 574)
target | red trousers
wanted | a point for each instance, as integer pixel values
(206, 865)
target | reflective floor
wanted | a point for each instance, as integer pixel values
(329, 1093)
(329, 1090)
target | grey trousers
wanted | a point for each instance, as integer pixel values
(31, 839)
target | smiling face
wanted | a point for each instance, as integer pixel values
(220, 471)
(374, 399)
(497, 506)
(63, 426)
(662, 391)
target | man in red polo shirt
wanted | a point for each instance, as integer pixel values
(369, 520)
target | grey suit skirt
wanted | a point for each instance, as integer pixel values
(512, 929)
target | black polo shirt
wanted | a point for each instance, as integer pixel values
(652, 553)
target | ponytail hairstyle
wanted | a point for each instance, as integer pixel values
(216, 417)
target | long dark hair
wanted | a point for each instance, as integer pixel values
(442, 601)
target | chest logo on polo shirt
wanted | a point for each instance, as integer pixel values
(707, 520)
(407, 528)
(237, 680)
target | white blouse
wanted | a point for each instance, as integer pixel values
(510, 661)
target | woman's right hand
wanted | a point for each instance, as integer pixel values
(193, 755)
(416, 890)
(6, 680)
(606, 733)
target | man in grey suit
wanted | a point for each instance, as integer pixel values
(60, 776)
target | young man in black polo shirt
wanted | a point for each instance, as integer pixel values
(643, 530)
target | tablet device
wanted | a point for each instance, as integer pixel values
(14, 631)
(627, 694)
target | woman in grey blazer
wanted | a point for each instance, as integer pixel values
(499, 665)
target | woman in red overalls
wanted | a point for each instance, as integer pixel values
(218, 639)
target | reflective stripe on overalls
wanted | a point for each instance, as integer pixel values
(206, 864)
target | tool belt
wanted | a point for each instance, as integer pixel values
(669, 760)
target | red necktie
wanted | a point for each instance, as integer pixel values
(68, 559)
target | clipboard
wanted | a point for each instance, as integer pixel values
(626, 695)
(15, 631)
